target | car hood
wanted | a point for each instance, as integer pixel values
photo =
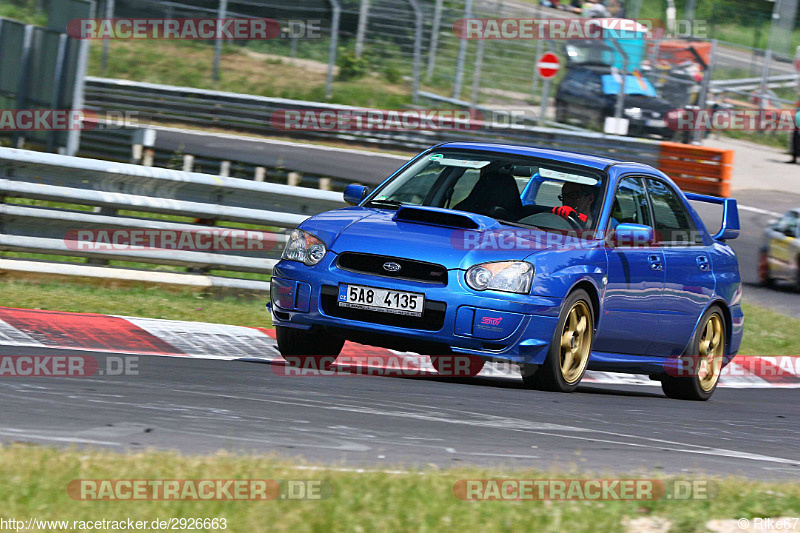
(378, 231)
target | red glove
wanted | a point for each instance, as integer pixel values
(565, 211)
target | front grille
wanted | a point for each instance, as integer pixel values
(409, 269)
(432, 318)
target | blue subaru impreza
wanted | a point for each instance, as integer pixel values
(556, 261)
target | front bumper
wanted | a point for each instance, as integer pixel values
(494, 325)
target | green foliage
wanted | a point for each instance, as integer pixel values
(350, 66)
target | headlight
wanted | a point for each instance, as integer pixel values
(507, 276)
(634, 112)
(304, 247)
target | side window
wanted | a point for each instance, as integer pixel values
(673, 222)
(464, 186)
(630, 204)
(788, 224)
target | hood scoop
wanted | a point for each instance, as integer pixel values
(435, 216)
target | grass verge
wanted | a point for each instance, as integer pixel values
(142, 301)
(36, 480)
(766, 332)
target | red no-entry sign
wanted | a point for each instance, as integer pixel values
(548, 65)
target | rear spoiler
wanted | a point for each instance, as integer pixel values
(730, 214)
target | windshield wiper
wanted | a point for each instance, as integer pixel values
(384, 203)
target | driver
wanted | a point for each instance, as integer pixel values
(577, 200)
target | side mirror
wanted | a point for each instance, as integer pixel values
(633, 235)
(353, 194)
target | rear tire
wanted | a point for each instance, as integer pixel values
(706, 353)
(763, 270)
(307, 349)
(570, 348)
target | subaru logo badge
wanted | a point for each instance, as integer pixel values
(391, 266)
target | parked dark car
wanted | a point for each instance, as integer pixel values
(588, 94)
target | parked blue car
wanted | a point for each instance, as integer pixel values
(557, 261)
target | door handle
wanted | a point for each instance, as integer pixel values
(655, 263)
(703, 264)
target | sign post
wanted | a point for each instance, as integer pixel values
(547, 67)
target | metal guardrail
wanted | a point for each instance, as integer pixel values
(753, 82)
(102, 189)
(236, 111)
(115, 145)
(164, 103)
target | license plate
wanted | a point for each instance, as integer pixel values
(381, 300)
(654, 123)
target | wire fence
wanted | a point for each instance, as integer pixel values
(412, 43)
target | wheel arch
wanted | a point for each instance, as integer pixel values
(594, 297)
(726, 317)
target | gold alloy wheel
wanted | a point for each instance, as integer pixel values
(712, 348)
(576, 342)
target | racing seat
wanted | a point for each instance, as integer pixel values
(495, 195)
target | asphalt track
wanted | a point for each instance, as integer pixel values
(201, 406)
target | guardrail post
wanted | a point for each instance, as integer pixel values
(144, 141)
(58, 85)
(188, 162)
(417, 49)
(18, 139)
(363, 15)
(221, 13)
(225, 169)
(476, 74)
(149, 157)
(703, 97)
(261, 173)
(762, 89)
(293, 179)
(332, 50)
(325, 184)
(462, 54)
(106, 42)
(437, 21)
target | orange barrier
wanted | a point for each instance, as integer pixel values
(697, 168)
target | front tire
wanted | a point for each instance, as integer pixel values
(706, 353)
(570, 348)
(301, 348)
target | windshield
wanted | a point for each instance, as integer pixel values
(512, 189)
